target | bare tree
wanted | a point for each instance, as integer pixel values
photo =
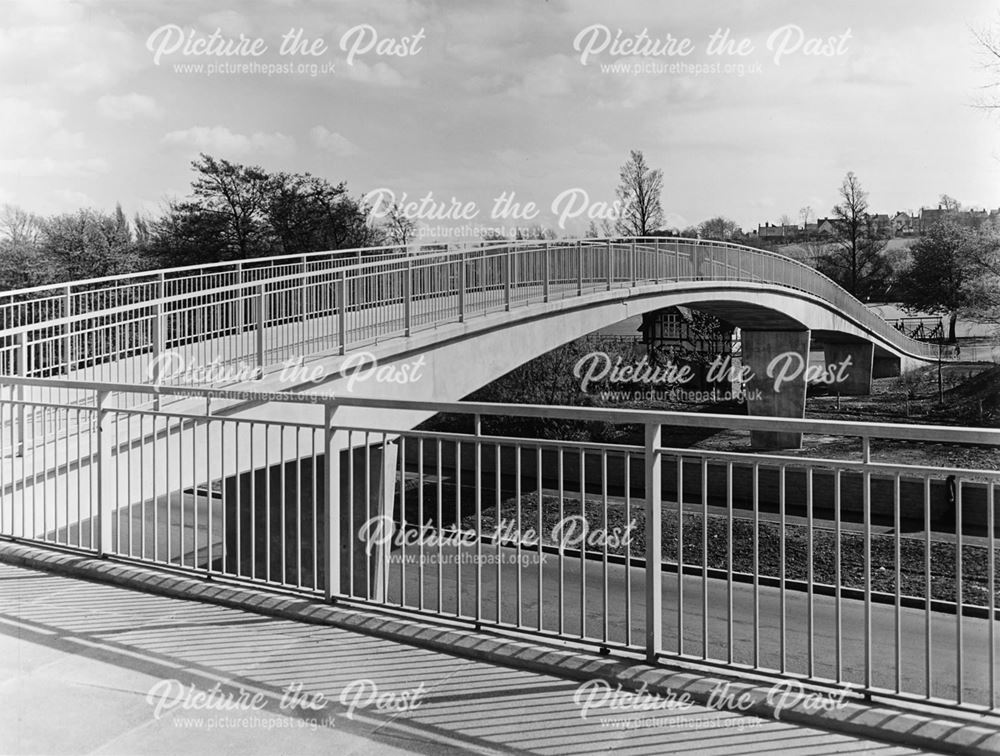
(639, 191)
(400, 229)
(18, 226)
(23, 262)
(805, 213)
(855, 260)
(989, 43)
(947, 202)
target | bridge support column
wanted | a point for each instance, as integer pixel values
(777, 387)
(850, 365)
(280, 508)
(367, 495)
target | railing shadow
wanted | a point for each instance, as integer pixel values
(124, 642)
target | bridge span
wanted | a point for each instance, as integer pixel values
(471, 313)
(152, 418)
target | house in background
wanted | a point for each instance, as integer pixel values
(930, 216)
(779, 231)
(904, 224)
(973, 219)
(881, 223)
(687, 337)
(826, 226)
(901, 224)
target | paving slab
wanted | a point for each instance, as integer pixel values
(94, 667)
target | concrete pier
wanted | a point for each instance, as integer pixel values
(777, 387)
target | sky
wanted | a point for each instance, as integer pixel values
(462, 103)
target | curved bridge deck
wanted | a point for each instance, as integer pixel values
(108, 450)
(215, 325)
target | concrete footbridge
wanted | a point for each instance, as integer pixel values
(243, 421)
(437, 322)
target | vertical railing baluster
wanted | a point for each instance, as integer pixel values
(342, 313)
(959, 600)
(546, 271)
(782, 602)
(579, 268)
(331, 505)
(506, 279)
(261, 319)
(867, 522)
(68, 328)
(408, 297)
(106, 483)
(654, 535)
(303, 291)
(810, 587)
(755, 570)
(240, 305)
(991, 590)
(730, 653)
(897, 569)
(928, 592)
(461, 288)
(159, 339)
(655, 268)
(611, 264)
(21, 370)
(478, 430)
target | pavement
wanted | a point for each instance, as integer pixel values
(95, 666)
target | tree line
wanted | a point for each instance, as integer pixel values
(234, 212)
(952, 269)
(238, 212)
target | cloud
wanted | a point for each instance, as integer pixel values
(72, 198)
(72, 141)
(380, 74)
(552, 77)
(60, 46)
(47, 166)
(232, 23)
(333, 142)
(219, 139)
(20, 118)
(36, 142)
(128, 107)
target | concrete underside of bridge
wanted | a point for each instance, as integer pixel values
(449, 362)
(446, 363)
(458, 358)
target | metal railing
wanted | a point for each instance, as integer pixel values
(91, 461)
(231, 321)
(861, 572)
(922, 329)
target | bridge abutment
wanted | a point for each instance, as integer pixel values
(777, 384)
